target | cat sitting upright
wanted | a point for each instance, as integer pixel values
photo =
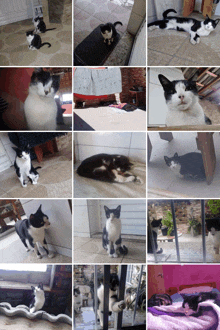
(40, 107)
(111, 237)
(155, 226)
(195, 28)
(40, 26)
(183, 102)
(213, 227)
(109, 32)
(23, 166)
(33, 231)
(35, 41)
(108, 168)
(188, 166)
(38, 298)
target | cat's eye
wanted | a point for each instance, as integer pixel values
(189, 88)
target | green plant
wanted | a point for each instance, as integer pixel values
(193, 223)
(168, 222)
(214, 206)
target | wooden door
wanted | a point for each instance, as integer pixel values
(207, 7)
(188, 7)
(155, 280)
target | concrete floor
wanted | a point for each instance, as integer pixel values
(161, 180)
(90, 250)
(91, 13)
(173, 48)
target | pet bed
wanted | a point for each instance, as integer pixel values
(92, 50)
(173, 317)
(109, 119)
(89, 188)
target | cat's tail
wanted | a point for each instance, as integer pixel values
(116, 23)
(167, 12)
(36, 168)
(46, 43)
(50, 29)
(123, 250)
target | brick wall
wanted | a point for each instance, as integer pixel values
(130, 77)
(66, 83)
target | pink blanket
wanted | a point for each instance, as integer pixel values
(209, 320)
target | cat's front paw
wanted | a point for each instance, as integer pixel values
(121, 305)
(39, 256)
(51, 255)
(115, 255)
(34, 182)
(193, 42)
(151, 28)
(138, 180)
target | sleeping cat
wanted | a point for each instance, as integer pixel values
(191, 303)
(35, 41)
(23, 166)
(108, 168)
(183, 102)
(155, 226)
(109, 32)
(188, 166)
(38, 299)
(40, 107)
(213, 227)
(114, 305)
(40, 26)
(195, 28)
(159, 300)
(111, 237)
(33, 231)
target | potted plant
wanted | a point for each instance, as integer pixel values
(167, 222)
(213, 209)
(194, 227)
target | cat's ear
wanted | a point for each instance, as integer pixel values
(164, 81)
(106, 208)
(176, 155)
(118, 208)
(166, 159)
(32, 288)
(217, 20)
(38, 70)
(39, 208)
(40, 286)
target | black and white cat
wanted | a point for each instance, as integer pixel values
(77, 300)
(23, 166)
(213, 227)
(111, 236)
(183, 102)
(40, 26)
(33, 231)
(114, 305)
(155, 226)
(35, 41)
(39, 298)
(188, 166)
(109, 32)
(191, 303)
(195, 28)
(40, 107)
(163, 299)
(108, 168)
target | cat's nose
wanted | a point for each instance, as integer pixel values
(181, 97)
(46, 92)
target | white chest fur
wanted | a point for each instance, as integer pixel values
(215, 238)
(37, 234)
(24, 165)
(40, 112)
(100, 295)
(194, 115)
(113, 227)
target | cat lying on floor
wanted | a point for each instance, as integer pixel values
(33, 231)
(182, 101)
(108, 168)
(111, 237)
(195, 28)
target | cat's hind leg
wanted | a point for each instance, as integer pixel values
(126, 177)
(45, 246)
(25, 244)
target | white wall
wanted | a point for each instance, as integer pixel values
(132, 145)
(157, 7)
(86, 218)
(14, 11)
(7, 154)
(157, 105)
(59, 235)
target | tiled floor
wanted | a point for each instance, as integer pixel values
(90, 250)
(89, 14)
(173, 48)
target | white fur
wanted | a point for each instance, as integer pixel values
(107, 36)
(113, 227)
(24, 165)
(114, 306)
(41, 109)
(175, 168)
(184, 108)
(39, 300)
(38, 235)
(215, 237)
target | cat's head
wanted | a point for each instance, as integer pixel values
(210, 24)
(156, 223)
(105, 28)
(172, 161)
(22, 152)
(112, 213)
(38, 19)
(76, 291)
(114, 282)
(213, 225)
(121, 163)
(39, 219)
(160, 300)
(44, 84)
(38, 288)
(191, 304)
(29, 34)
(179, 94)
